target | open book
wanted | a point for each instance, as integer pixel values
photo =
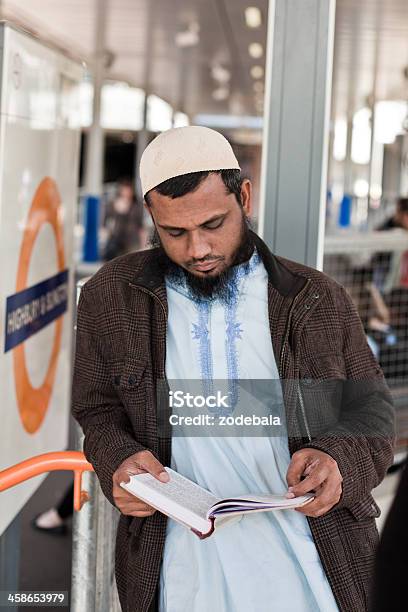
(195, 507)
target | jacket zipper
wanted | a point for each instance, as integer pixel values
(306, 424)
(302, 407)
(286, 335)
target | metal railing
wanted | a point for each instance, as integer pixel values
(93, 586)
(49, 462)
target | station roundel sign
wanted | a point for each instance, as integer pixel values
(32, 401)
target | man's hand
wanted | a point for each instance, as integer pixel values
(321, 475)
(139, 463)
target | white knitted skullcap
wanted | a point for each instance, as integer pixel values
(183, 150)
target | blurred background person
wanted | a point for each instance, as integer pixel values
(386, 264)
(123, 222)
(54, 520)
(399, 219)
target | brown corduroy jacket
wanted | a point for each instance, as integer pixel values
(316, 335)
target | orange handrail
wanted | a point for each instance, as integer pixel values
(49, 462)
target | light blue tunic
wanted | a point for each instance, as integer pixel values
(266, 561)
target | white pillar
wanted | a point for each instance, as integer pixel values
(143, 135)
(95, 148)
(95, 142)
(297, 113)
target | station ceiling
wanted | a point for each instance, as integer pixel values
(371, 41)
(371, 38)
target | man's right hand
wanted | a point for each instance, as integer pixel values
(141, 462)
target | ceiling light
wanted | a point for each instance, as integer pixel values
(389, 120)
(340, 139)
(253, 17)
(360, 188)
(188, 37)
(237, 103)
(221, 93)
(180, 120)
(258, 87)
(255, 50)
(361, 137)
(257, 72)
(220, 74)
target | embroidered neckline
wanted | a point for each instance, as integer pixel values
(200, 329)
(233, 330)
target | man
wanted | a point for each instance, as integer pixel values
(399, 218)
(212, 302)
(390, 268)
(123, 222)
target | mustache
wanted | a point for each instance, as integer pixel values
(192, 262)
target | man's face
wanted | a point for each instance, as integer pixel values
(202, 230)
(203, 235)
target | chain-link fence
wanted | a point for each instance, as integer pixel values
(374, 269)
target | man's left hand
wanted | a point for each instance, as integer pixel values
(321, 475)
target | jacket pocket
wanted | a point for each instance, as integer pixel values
(362, 535)
(324, 368)
(128, 375)
(364, 509)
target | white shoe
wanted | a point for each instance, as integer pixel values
(50, 521)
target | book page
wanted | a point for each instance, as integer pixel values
(245, 503)
(178, 489)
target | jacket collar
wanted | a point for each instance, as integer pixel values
(286, 282)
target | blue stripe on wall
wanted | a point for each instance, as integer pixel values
(30, 310)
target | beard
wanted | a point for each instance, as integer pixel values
(220, 286)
